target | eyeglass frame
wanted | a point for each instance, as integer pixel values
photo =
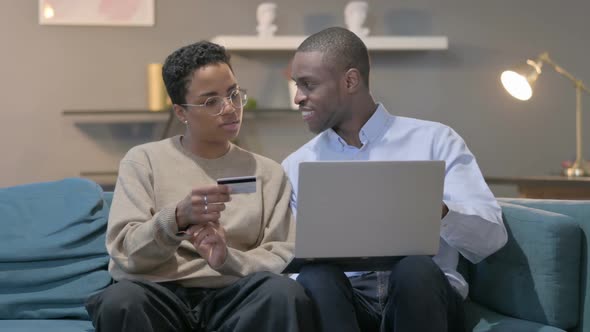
(225, 99)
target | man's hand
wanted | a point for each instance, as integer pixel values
(209, 240)
(202, 206)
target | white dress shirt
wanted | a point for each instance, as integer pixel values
(473, 226)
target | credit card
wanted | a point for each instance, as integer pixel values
(240, 184)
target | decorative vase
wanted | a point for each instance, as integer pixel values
(157, 96)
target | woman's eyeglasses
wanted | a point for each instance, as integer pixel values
(214, 105)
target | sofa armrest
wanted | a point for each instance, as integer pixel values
(536, 276)
(579, 210)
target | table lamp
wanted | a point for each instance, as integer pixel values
(520, 81)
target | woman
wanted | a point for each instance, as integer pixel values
(187, 253)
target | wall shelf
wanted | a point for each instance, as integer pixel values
(116, 116)
(374, 43)
(112, 116)
(138, 116)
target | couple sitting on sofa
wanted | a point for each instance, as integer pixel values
(188, 254)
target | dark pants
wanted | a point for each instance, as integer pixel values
(414, 296)
(260, 302)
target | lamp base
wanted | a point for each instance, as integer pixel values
(576, 171)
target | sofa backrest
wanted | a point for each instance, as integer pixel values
(52, 249)
(537, 275)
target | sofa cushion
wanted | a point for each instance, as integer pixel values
(536, 275)
(52, 249)
(480, 319)
(46, 325)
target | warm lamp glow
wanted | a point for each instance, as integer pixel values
(517, 85)
(48, 11)
(520, 81)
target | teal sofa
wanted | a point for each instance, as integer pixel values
(539, 280)
(52, 257)
(52, 254)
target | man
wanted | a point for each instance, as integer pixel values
(187, 254)
(331, 69)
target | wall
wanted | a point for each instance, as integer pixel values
(47, 69)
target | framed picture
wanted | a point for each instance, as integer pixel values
(97, 12)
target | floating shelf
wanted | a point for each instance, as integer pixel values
(117, 116)
(144, 116)
(374, 43)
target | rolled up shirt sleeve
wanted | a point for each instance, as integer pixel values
(474, 223)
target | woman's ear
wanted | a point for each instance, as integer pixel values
(179, 112)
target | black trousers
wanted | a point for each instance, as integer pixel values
(259, 302)
(414, 296)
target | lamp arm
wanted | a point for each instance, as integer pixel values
(579, 166)
(544, 57)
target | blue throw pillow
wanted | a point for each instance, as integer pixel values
(536, 276)
(52, 249)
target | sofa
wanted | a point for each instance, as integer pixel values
(52, 257)
(539, 280)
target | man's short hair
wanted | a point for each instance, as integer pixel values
(179, 66)
(341, 48)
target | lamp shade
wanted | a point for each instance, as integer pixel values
(520, 81)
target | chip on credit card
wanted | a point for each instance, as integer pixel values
(240, 184)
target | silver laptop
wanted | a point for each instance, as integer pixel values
(365, 215)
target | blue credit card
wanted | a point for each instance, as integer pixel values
(240, 184)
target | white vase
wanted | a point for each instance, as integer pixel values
(265, 15)
(355, 14)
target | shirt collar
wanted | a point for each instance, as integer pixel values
(373, 129)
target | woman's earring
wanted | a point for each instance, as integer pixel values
(186, 122)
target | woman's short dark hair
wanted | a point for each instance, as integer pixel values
(179, 66)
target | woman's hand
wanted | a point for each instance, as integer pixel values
(202, 206)
(209, 240)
